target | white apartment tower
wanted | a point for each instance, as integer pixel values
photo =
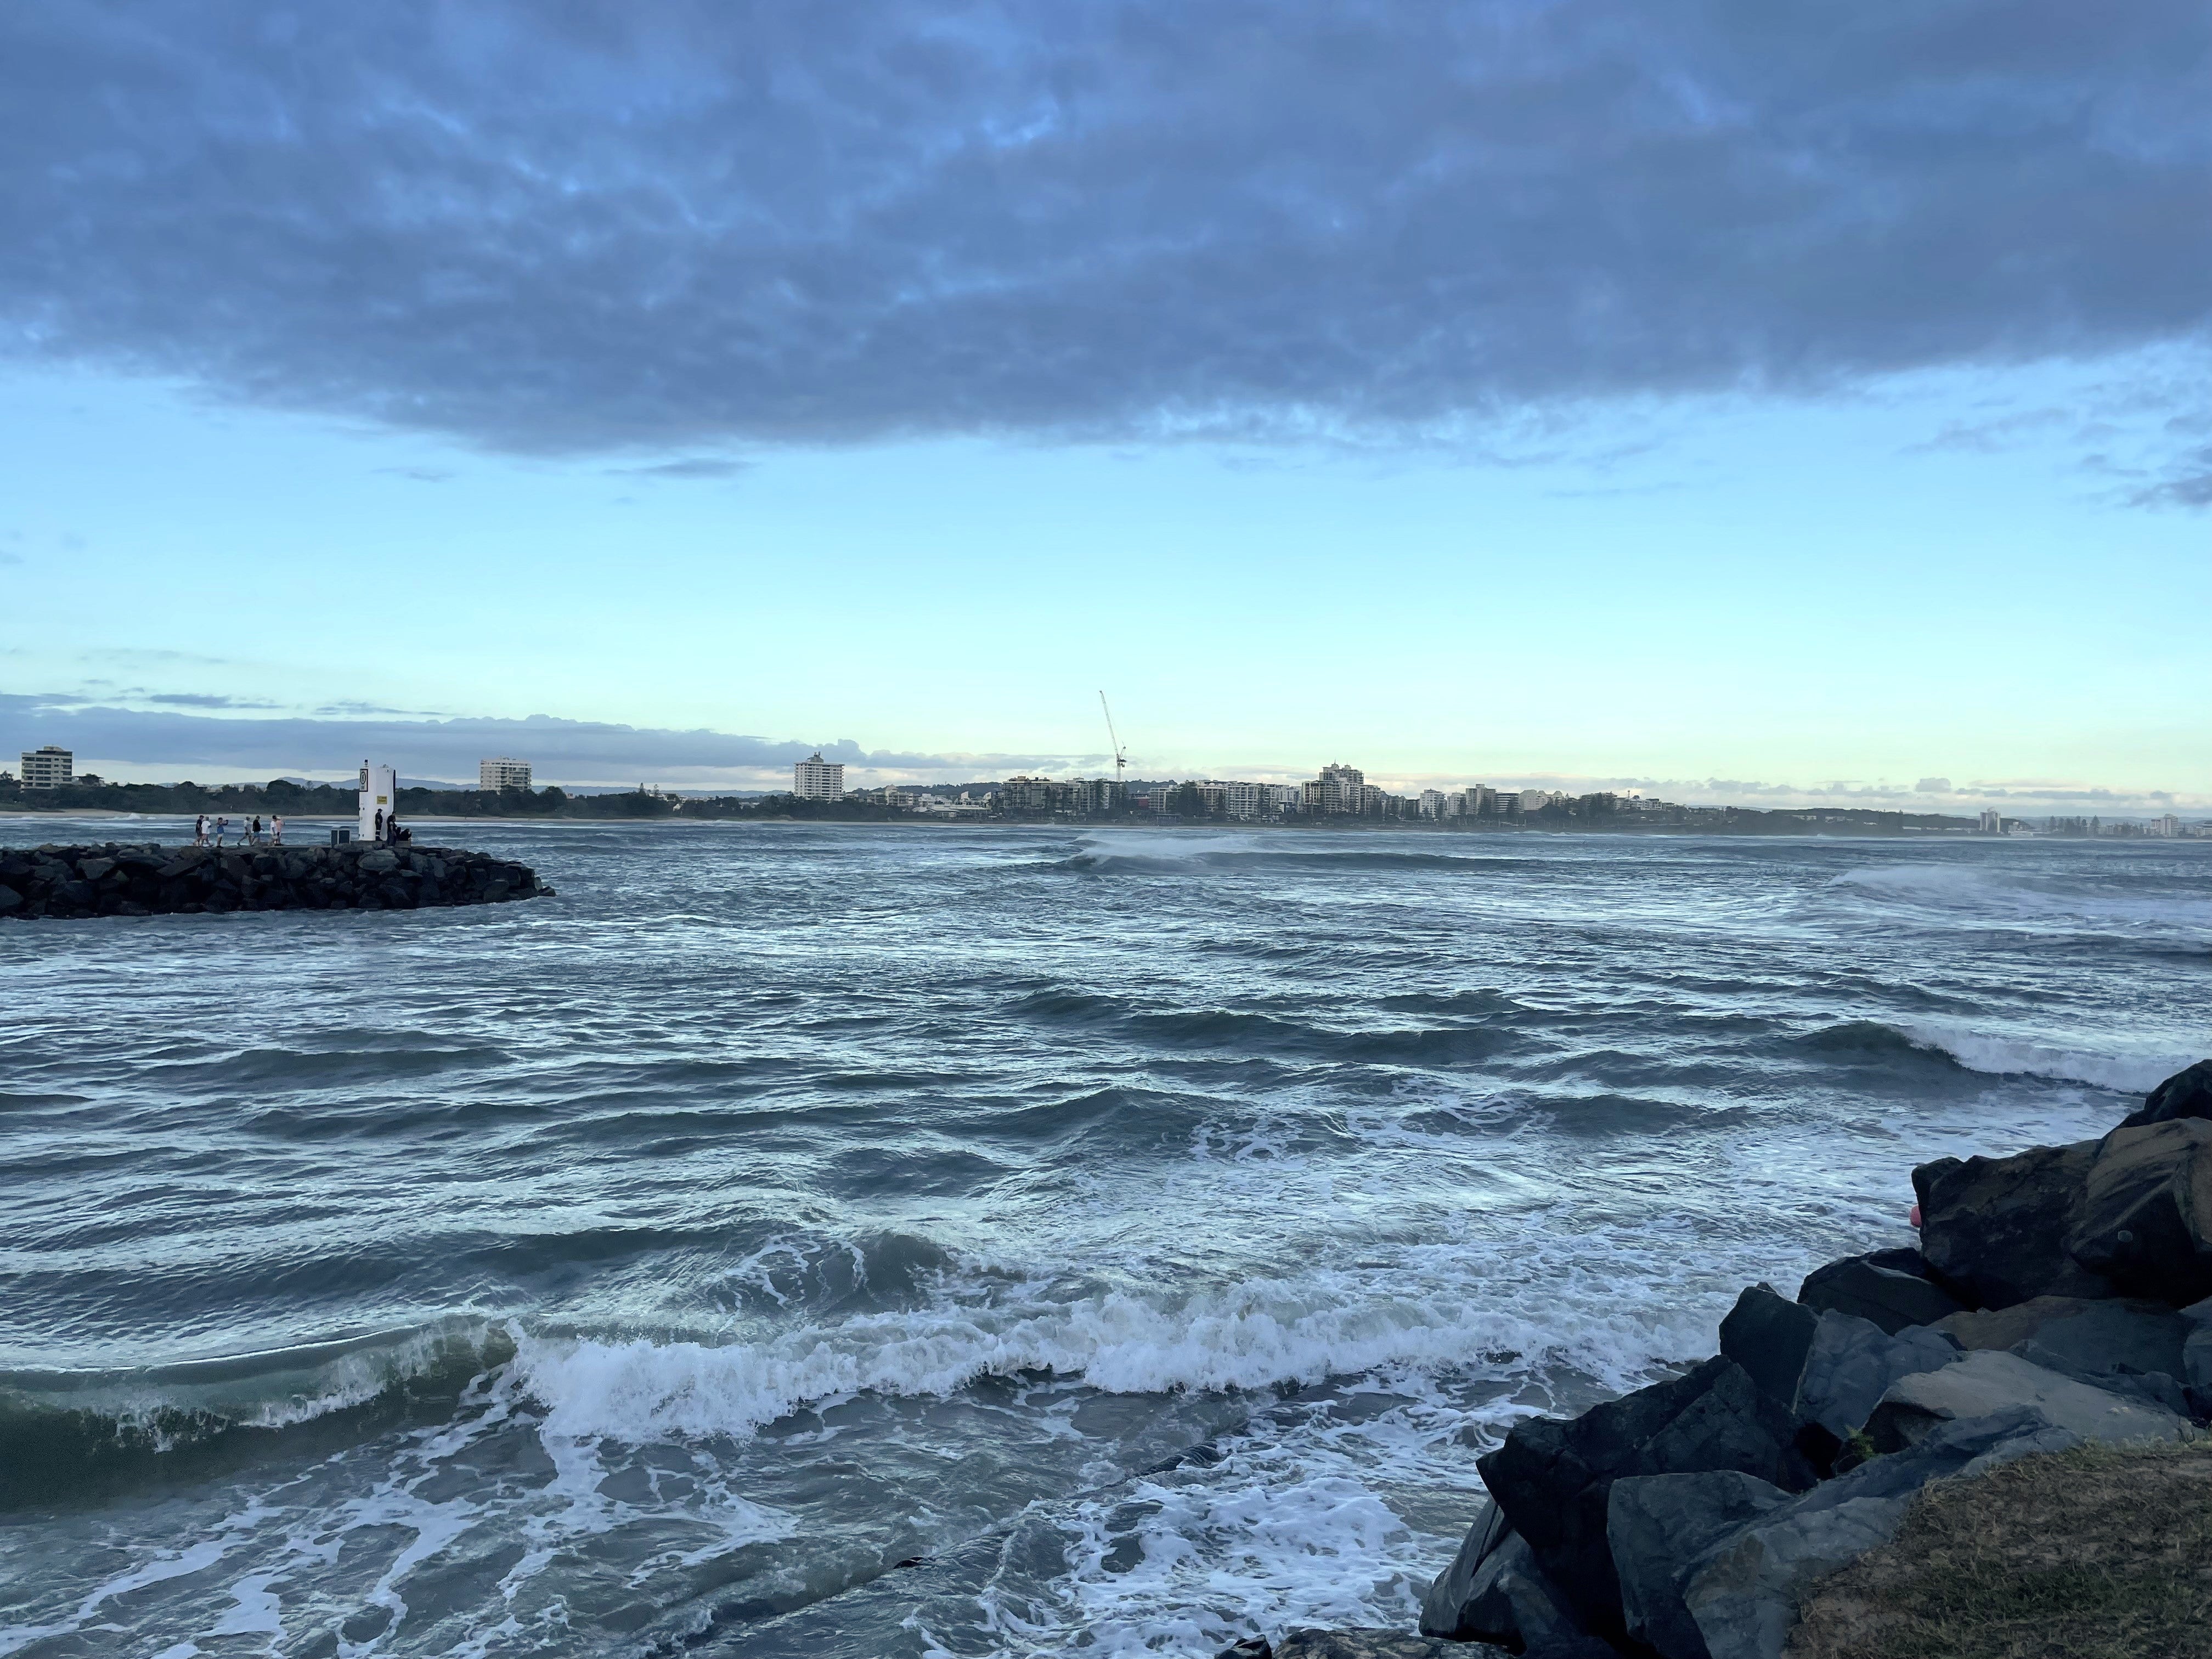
(49, 768)
(815, 779)
(503, 774)
(1340, 787)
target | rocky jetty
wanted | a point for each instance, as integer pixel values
(2060, 1298)
(144, 880)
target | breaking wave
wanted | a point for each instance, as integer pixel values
(59, 1428)
(1200, 853)
(1252, 1337)
(1876, 1041)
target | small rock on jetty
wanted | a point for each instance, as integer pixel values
(2058, 1297)
(118, 880)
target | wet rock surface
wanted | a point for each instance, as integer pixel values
(1889, 1288)
(1994, 1229)
(116, 879)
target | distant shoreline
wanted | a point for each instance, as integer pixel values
(924, 821)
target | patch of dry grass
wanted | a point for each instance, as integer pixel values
(2100, 1552)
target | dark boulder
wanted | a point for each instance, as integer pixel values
(2136, 1348)
(1504, 1597)
(1659, 1527)
(1852, 1364)
(1456, 1607)
(1553, 1477)
(1987, 1383)
(1889, 1288)
(2186, 1094)
(1828, 1370)
(1994, 1229)
(1769, 1337)
(2145, 1221)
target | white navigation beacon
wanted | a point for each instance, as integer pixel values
(380, 789)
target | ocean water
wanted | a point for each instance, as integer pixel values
(806, 1241)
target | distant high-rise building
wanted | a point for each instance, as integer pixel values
(1097, 795)
(1433, 803)
(2168, 825)
(1992, 822)
(48, 767)
(815, 779)
(1248, 802)
(503, 774)
(1340, 787)
(1025, 795)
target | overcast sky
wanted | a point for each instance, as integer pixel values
(1752, 395)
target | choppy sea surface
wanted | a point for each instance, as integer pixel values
(817, 1240)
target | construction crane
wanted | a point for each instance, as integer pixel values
(1120, 755)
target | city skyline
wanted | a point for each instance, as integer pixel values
(760, 774)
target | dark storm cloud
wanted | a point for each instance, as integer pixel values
(592, 228)
(584, 751)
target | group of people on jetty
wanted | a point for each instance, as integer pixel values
(211, 831)
(207, 831)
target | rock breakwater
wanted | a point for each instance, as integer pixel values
(2059, 1298)
(117, 879)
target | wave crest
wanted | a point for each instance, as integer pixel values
(1254, 1337)
(59, 1428)
(1876, 1041)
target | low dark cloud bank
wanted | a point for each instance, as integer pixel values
(591, 228)
(584, 751)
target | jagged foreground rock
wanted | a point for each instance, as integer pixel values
(2060, 1298)
(117, 880)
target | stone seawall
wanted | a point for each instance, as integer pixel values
(144, 880)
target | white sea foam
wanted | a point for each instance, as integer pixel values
(2000, 1056)
(1295, 1525)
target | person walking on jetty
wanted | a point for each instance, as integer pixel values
(380, 824)
(253, 831)
(199, 831)
(277, 829)
(222, 827)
